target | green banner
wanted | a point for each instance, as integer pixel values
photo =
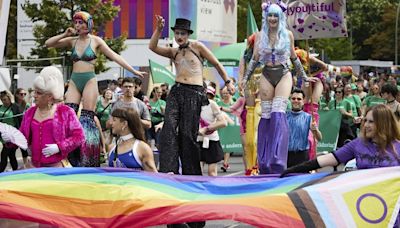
(230, 136)
(160, 74)
(329, 125)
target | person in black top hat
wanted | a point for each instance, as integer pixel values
(182, 115)
(178, 138)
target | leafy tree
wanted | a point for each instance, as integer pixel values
(382, 43)
(57, 17)
(11, 46)
(365, 20)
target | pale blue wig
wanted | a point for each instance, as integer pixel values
(282, 34)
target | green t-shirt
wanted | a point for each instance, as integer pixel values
(155, 112)
(353, 106)
(343, 104)
(373, 100)
(223, 104)
(357, 100)
(104, 115)
(6, 115)
(323, 104)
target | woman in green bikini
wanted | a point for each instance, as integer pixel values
(83, 85)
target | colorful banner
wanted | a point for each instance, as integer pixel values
(4, 11)
(312, 19)
(329, 125)
(160, 74)
(104, 197)
(214, 21)
(136, 19)
(183, 9)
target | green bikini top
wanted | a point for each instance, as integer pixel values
(87, 56)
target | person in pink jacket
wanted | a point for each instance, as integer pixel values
(51, 128)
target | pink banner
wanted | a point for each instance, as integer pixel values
(312, 19)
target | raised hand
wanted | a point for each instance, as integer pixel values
(141, 73)
(160, 22)
(70, 32)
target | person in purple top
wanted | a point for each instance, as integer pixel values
(378, 145)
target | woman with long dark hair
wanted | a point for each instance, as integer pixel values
(131, 149)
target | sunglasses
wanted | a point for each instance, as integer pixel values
(273, 15)
(296, 98)
(22, 94)
(338, 91)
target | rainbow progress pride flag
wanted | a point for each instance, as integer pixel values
(104, 197)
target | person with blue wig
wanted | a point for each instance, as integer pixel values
(273, 47)
(83, 85)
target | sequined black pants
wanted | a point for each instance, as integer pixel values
(181, 125)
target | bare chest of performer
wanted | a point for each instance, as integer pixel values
(189, 64)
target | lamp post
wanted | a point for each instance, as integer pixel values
(396, 39)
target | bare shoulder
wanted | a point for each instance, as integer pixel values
(98, 40)
(197, 44)
(144, 148)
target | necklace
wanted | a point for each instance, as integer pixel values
(391, 101)
(125, 137)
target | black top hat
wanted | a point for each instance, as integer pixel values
(182, 23)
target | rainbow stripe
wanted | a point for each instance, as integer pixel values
(136, 19)
(104, 197)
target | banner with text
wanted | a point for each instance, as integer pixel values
(160, 74)
(329, 125)
(230, 136)
(311, 19)
(215, 21)
(4, 11)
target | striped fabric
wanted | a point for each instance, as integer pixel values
(136, 19)
(105, 197)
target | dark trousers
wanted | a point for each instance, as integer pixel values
(152, 134)
(178, 138)
(181, 125)
(297, 157)
(24, 153)
(6, 153)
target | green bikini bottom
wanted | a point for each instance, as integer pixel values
(80, 79)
